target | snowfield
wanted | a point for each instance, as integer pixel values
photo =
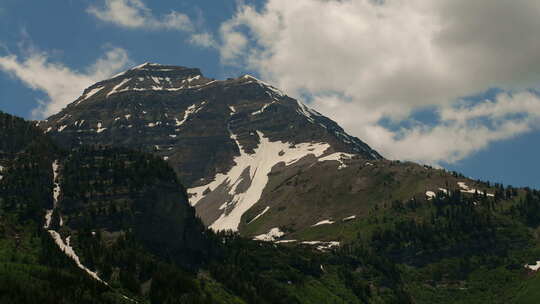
(271, 236)
(259, 164)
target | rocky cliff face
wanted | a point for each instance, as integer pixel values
(117, 191)
(223, 138)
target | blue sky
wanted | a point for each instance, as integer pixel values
(68, 34)
(432, 83)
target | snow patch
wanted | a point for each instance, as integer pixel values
(259, 164)
(154, 124)
(116, 87)
(63, 117)
(285, 241)
(56, 187)
(349, 218)
(56, 194)
(193, 109)
(430, 195)
(90, 93)
(156, 80)
(64, 246)
(259, 215)
(466, 189)
(271, 236)
(62, 128)
(321, 246)
(263, 108)
(339, 157)
(99, 128)
(266, 85)
(193, 78)
(305, 111)
(534, 267)
(48, 217)
(68, 250)
(139, 67)
(323, 222)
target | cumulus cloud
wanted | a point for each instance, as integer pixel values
(462, 130)
(361, 61)
(205, 40)
(134, 14)
(61, 84)
(127, 13)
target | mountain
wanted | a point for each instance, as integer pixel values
(223, 138)
(252, 158)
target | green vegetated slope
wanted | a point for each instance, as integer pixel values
(300, 196)
(455, 248)
(127, 218)
(32, 270)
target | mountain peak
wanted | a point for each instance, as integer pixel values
(145, 77)
(159, 70)
(156, 67)
(223, 138)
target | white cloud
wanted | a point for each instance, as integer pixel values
(205, 40)
(134, 14)
(463, 130)
(127, 13)
(365, 60)
(234, 43)
(61, 84)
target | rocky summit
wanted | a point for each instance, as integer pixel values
(223, 138)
